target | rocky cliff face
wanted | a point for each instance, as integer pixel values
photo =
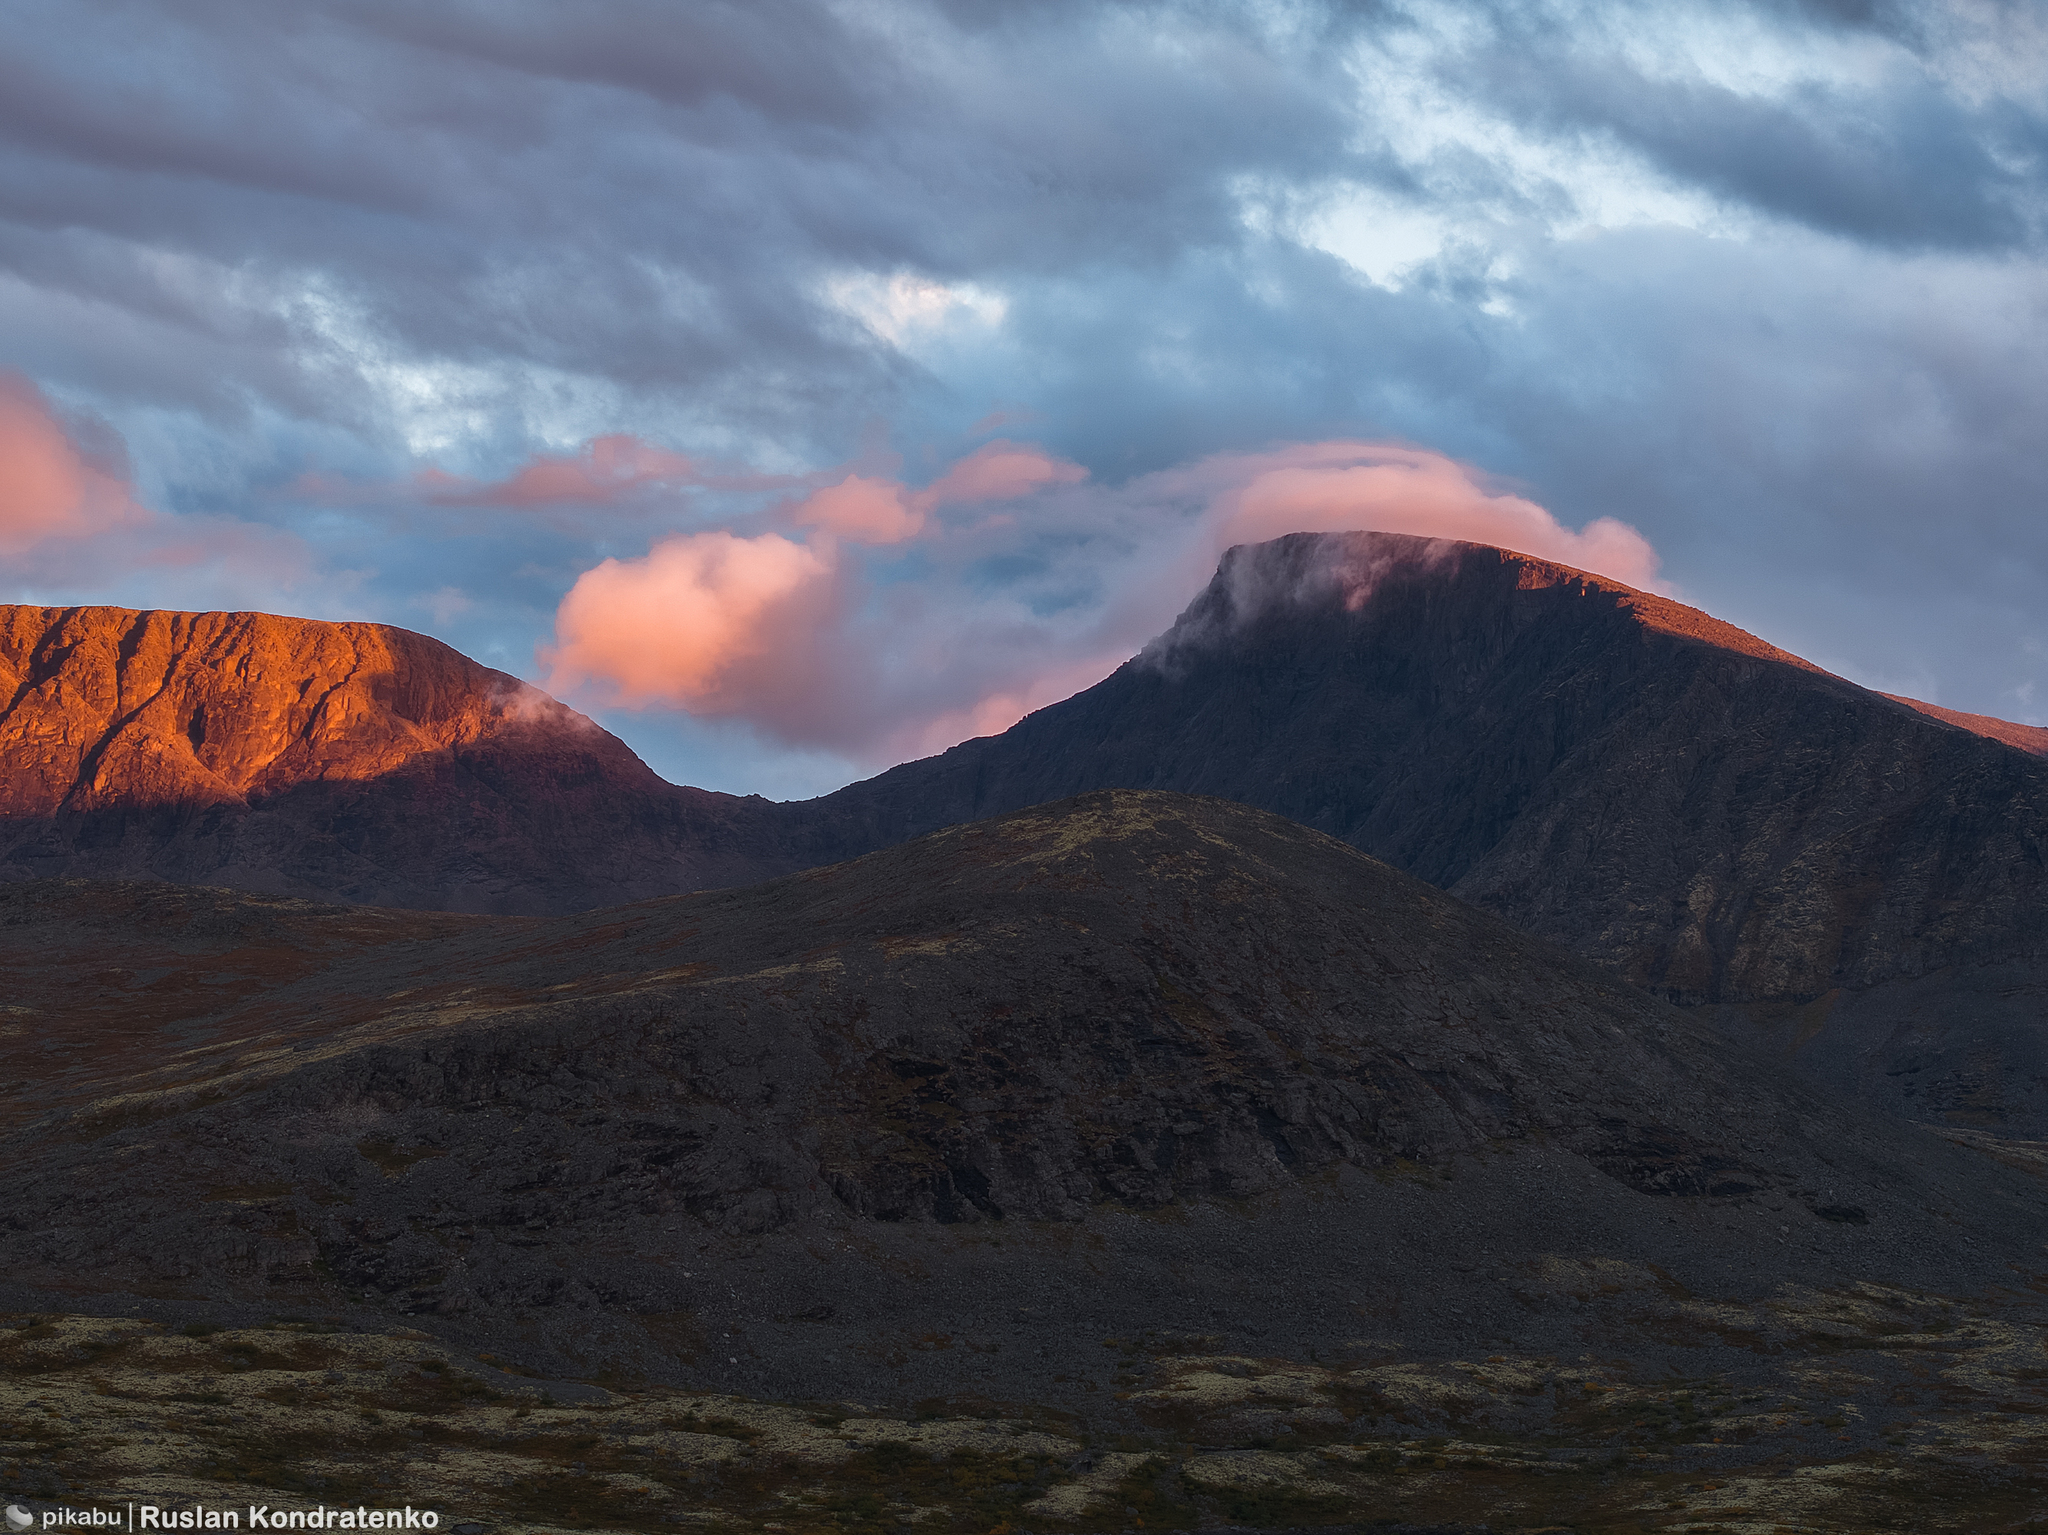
(1711, 816)
(351, 761)
(108, 707)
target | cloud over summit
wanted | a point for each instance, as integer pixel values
(823, 643)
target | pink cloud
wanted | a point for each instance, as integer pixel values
(788, 637)
(868, 510)
(887, 512)
(606, 469)
(49, 489)
(1332, 487)
(70, 522)
(1001, 471)
(715, 624)
(863, 510)
(763, 628)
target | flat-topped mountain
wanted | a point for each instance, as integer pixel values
(349, 761)
(108, 707)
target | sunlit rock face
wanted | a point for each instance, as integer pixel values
(113, 707)
(353, 761)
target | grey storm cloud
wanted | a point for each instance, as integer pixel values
(1763, 280)
(1901, 164)
(648, 194)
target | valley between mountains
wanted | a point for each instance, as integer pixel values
(1438, 1041)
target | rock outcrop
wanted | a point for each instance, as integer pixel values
(346, 761)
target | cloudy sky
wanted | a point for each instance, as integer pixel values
(801, 386)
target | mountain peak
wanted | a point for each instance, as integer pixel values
(1307, 570)
(1710, 815)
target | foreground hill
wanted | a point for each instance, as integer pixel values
(1124, 1002)
(346, 761)
(1127, 997)
(1169, 1116)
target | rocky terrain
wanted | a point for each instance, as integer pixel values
(1855, 879)
(353, 762)
(1709, 816)
(1858, 882)
(1164, 1150)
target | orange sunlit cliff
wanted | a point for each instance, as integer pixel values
(115, 707)
(352, 761)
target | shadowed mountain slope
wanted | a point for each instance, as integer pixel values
(346, 761)
(1711, 816)
(2032, 739)
(1129, 1061)
(1079, 979)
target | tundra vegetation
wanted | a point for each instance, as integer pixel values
(1866, 1409)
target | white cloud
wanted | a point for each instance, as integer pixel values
(904, 309)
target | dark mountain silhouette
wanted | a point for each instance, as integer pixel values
(1715, 818)
(1710, 817)
(1129, 1062)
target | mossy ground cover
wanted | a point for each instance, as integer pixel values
(1937, 1423)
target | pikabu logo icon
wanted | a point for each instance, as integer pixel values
(19, 1518)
